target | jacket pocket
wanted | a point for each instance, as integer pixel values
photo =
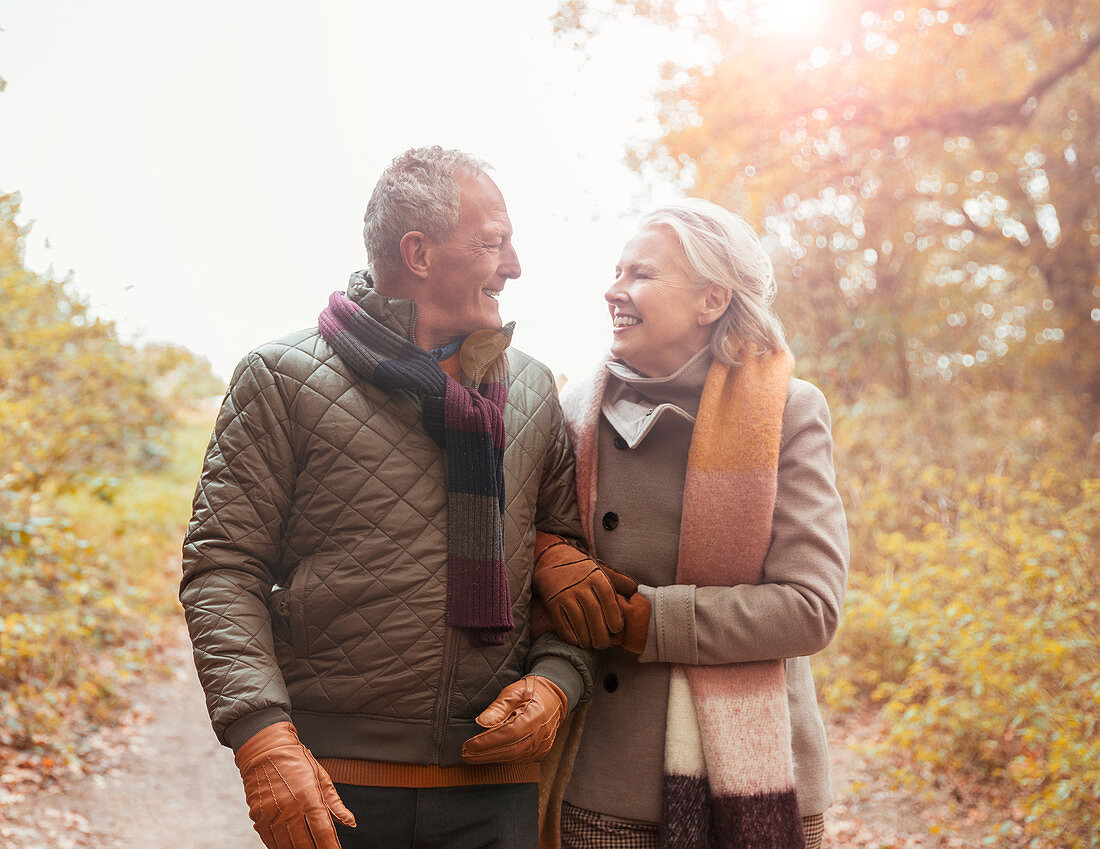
(288, 609)
(277, 606)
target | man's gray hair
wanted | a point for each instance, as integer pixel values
(721, 248)
(416, 192)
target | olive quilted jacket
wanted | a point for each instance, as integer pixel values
(314, 567)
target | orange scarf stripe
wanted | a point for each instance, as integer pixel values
(729, 491)
(736, 428)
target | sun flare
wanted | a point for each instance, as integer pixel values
(796, 17)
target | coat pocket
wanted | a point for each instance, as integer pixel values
(278, 605)
(287, 606)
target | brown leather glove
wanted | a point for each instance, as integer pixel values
(521, 723)
(291, 799)
(624, 585)
(635, 612)
(539, 619)
(578, 594)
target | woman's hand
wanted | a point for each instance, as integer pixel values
(635, 632)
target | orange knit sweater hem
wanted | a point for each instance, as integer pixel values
(420, 776)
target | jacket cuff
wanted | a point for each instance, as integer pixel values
(672, 637)
(571, 668)
(564, 674)
(238, 733)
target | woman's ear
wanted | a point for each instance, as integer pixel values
(716, 299)
(414, 253)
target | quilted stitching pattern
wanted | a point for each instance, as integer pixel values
(330, 491)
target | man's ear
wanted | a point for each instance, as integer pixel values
(415, 253)
(716, 299)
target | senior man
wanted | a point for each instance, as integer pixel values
(357, 572)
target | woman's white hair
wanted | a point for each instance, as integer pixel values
(416, 192)
(721, 248)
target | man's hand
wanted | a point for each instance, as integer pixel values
(521, 723)
(291, 799)
(578, 594)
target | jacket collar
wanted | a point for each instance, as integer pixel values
(397, 314)
(682, 388)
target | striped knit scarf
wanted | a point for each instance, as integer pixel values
(468, 425)
(729, 777)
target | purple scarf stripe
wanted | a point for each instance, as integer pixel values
(468, 425)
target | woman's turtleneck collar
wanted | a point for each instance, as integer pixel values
(683, 387)
(634, 403)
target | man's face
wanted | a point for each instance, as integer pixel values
(470, 269)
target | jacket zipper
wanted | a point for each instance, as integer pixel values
(446, 692)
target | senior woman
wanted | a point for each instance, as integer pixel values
(705, 475)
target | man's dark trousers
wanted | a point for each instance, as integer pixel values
(485, 816)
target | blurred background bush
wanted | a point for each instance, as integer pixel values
(98, 461)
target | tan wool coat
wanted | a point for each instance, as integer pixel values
(643, 438)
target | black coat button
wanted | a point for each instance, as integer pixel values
(611, 682)
(610, 521)
(620, 443)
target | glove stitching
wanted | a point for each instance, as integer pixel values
(264, 769)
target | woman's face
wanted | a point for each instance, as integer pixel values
(660, 320)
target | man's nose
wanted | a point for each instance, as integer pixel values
(509, 264)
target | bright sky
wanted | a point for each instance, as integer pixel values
(203, 166)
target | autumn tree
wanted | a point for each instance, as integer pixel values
(927, 172)
(96, 476)
(182, 375)
(76, 403)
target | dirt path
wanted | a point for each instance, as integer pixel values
(165, 783)
(872, 813)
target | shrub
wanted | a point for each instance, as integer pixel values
(973, 616)
(88, 593)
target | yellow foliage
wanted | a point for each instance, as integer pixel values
(973, 618)
(90, 512)
(87, 595)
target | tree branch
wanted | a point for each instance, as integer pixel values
(965, 121)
